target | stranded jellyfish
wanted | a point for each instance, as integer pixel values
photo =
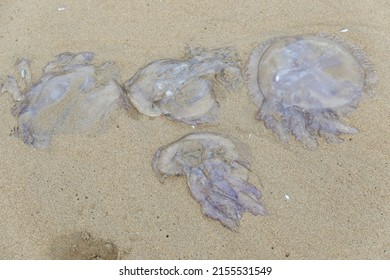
(183, 90)
(71, 96)
(217, 171)
(305, 85)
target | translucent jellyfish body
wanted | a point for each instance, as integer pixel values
(71, 96)
(217, 171)
(183, 90)
(304, 85)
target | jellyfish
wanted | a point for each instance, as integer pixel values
(217, 171)
(305, 85)
(72, 95)
(183, 90)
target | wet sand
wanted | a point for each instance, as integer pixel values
(330, 203)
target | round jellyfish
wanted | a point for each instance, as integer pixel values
(305, 85)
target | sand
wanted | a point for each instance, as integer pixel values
(330, 203)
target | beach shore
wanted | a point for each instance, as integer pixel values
(328, 203)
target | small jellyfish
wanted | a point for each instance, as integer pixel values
(71, 96)
(182, 90)
(217, 171)
(305, 85)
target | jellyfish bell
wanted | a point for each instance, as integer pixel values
(304, 85)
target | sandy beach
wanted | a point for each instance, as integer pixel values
(101, 193)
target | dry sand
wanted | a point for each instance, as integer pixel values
(91, 189)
